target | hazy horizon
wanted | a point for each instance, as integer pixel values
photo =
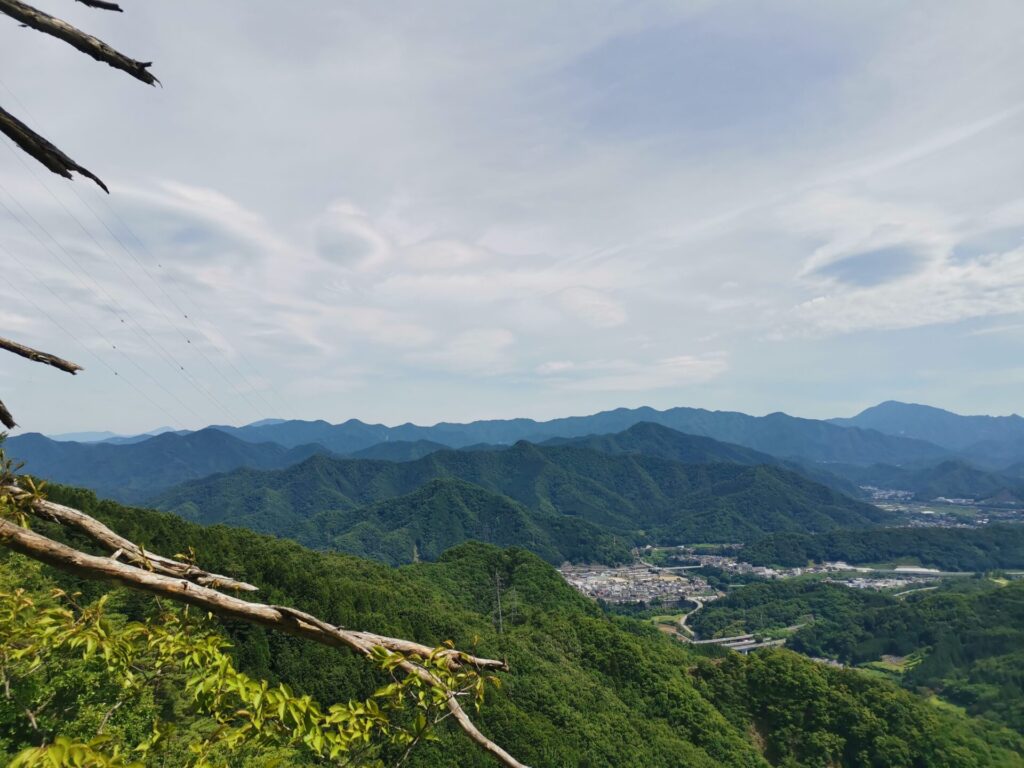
(431, 423)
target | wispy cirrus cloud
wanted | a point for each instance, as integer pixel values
(397, 213)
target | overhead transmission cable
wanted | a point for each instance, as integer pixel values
(134, 283)
(120, 312)
(46, 247)
(178, 308)
(13, 284)
(160, 286)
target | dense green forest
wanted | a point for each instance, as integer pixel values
(576, 497)
(585, 688)
(968, 644)
(949, 549)
(778, 604)
(964, 641)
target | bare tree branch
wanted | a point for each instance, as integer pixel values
(102, 5)
(92, 46)
(123, 548)
(39, 357)
(5, 417)
(168, 577)
(288, 620)
(42, 150)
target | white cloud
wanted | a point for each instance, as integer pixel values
(944, 293)
(592, 307)
(622, 375)
(483, 351)
(517, 205)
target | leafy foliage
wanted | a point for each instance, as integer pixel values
(586, 688)
(173, 653)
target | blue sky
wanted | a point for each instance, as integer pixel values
(394, 212)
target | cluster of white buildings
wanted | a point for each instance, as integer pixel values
(635, 583)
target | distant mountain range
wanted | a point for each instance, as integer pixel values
(998, 440)
(871, 448)
(776, 434)
(134, 471)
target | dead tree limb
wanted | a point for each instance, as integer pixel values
(86, 43)
(102, 5)
(288, 620)
(32, 354)
(42, 150)
(122, 548)
(39, 357)
(5, 417)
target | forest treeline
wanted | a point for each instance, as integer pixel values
(585, 688)
(963, 641)
(948, 549)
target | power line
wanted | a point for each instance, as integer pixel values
(284, 401)
(147, 338)
(131, 279)
(157, 283)
(95, 329)
(171, 299)
(104, 363)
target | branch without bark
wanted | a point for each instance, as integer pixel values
(42, 150)
(87, 44)
(102, 5)
(281, 618)
(39, 357)
(125, 549)
(5, 417)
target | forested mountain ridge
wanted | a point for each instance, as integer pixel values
(652, 439)
(777, 434)
(584, 688)
(950, 549)
(135, 471)
(636, 497)
(993, 441)
(935, 425)
(399, 450)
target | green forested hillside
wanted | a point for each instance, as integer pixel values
(445, 512)
(780, 604)
(965, 642)
(950, 549)
(652, 439)
(585, 689)
(564, 488)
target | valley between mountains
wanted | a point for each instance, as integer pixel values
(891, 562)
